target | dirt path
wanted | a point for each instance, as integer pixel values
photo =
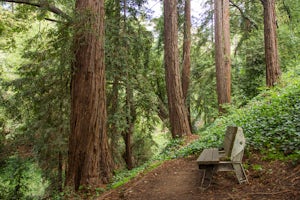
(180, 180)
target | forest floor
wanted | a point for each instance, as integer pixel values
(179, 179)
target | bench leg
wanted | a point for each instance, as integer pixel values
(207, 176)
(240, 172)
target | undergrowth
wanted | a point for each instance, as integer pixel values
(271, 123)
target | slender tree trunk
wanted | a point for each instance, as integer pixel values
(162, 106)
(89, 160)
(128, 134)
(177, 110)
(60, 172)
(131, 117)
(186, 68)
(114, 96)
(112, 126)
(222, 52)
(162, 110)
(273, 71)
(128, 149)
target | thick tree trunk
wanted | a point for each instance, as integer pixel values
(186, 68)
(222, 52)
(89, 160)
(177, 110)
(273, 71)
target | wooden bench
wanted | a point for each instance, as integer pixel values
(230, 159)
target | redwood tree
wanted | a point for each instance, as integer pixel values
(186, 57)
(177, 111)
(222, 52)
(89, 159)
(186, 68)
(273, 71)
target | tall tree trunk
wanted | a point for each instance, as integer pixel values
(222, 52)
(112, 125)
(113, 99)
(186, 68)
(89, 160)
(177, 110)
(131, 117)
(128, 132)
(60, 172)
(130, 110)
(273, 71)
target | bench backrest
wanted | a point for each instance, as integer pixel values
(234, 143)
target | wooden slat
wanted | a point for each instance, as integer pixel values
(209, 156)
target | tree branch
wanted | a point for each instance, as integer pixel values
(243, 14)
(53, 20)
(42, 4)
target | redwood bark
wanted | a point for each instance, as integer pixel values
(186, 69)
(89, 159)
(177, 111)
(273, 71)
(222, 52)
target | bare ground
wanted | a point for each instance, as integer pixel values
(180, 180)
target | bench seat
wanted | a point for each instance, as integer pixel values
(230, 159)
(209, 156)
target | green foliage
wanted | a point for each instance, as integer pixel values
(142, 146)
(249, 68)
(257, 167)
(202, 92)
(131, 98)
(288, 33)
(274, 124)
(270, 121)
(35, 96)
(172, 147)
(21, 179)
